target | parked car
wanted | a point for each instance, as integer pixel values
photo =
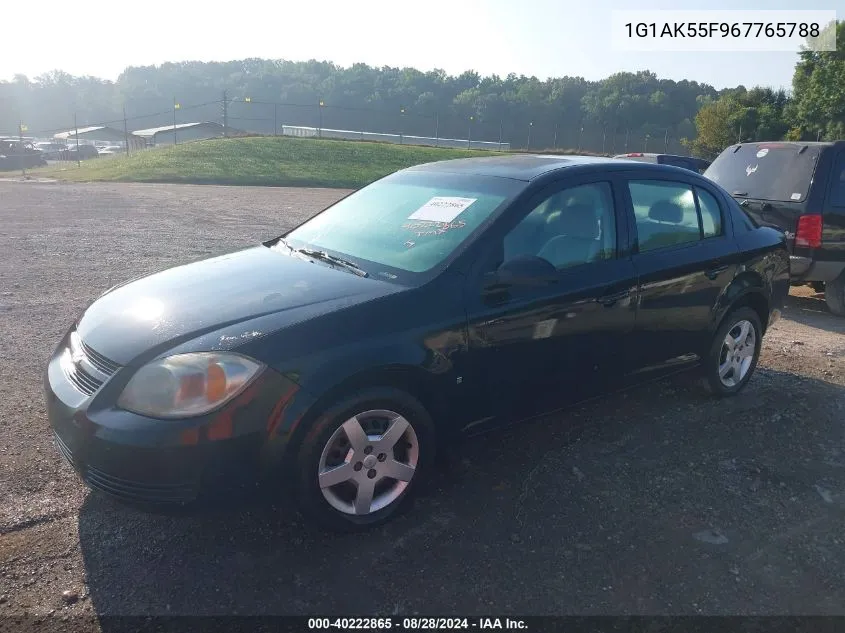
(83, 152)
(15, 154)
(798, 187)
(51, 150)
(443, 300)
(109, 150)
(698, 165)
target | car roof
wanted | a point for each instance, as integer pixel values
(527, 167)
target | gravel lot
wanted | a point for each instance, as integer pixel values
(656, 501)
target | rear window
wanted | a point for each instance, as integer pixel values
(766, 171)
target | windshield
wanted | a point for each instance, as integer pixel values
(766, 171)
(410, 222)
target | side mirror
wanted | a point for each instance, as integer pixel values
(525, 270)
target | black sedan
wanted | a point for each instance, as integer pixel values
(442, 300)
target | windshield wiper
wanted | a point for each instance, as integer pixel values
(331, 259)
(739, 193)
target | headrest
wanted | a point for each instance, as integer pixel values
(579, 220)
(665, 211)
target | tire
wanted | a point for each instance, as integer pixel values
(738, 376)
(327, 447)
(834, 295)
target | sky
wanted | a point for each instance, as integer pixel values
(543, 38)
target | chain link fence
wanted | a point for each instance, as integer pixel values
(158, 121)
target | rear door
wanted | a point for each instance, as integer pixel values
(685, 257)
(771, 181)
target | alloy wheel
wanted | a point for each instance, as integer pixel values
(368, 462)
(737, 353)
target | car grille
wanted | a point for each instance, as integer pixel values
(137, 491)
(165, 494)
(99, 361)
(63, 448)
(85, 368)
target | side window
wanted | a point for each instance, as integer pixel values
(711, 214)
(837, 191)
(665, 213)
(573, 226)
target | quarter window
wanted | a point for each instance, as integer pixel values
(711, 214)
(837, 192)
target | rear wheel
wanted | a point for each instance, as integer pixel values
(834, 295)
(734, 352)
(364, 459)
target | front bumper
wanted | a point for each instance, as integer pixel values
(161, 462)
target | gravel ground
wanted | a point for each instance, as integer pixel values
(655, 501)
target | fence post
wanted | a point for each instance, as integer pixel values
(23, 154)
(175, 107)
(225, 113)
(76, 134)
(125, 131)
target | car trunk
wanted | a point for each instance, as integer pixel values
(771, 181)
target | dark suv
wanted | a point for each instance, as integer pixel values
(697, 165)
(799, 188)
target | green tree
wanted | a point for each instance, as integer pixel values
(819, 91)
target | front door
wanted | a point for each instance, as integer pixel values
(535, 349)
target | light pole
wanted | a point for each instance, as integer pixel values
(320, 109)
(530, 125)
(469, 139)
(21, 129)
(401, 123)
(176, 106)
(580, 134)
(645, 145)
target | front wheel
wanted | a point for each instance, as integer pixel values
(734, 352)
(364, 459)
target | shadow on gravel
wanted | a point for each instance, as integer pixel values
(813, 312)
(660, 500)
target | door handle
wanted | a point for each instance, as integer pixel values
(609, 300)
(712, 273)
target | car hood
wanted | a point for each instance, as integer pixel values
(147, 316)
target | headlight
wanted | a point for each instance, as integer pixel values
(187, 385)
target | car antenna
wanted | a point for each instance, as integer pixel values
(736, 149)
(801, 151)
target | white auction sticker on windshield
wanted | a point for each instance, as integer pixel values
(442, 209)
